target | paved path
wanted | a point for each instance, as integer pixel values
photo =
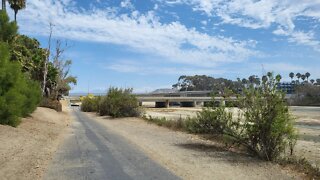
(93, 152)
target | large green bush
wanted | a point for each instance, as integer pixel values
(266, 127)
(119, 103)
(19, 95)
(263, 125)
(90, 104)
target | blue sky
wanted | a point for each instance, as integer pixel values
(148, 44)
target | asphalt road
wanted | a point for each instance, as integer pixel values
(94, 152)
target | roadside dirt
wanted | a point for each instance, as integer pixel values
(307, 123)
(25, 151)
(191, 157)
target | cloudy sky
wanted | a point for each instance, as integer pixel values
(148, 44)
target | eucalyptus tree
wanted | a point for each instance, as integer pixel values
(17, 5)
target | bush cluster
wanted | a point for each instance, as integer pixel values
(90, 103)
(209, 120)
(264, 125)
(19, 95)
(117, 103)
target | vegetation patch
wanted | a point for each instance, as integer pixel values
(301, 165)
(117, 103)
(179, 124)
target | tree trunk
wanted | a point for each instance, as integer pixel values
(15, 15)
(4, 5)
(45, 68)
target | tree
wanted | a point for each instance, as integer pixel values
(64, 79)
(291, 75)
(203, 83)
(298, 76)
(45, 65)
(307, 75)
(312, 81)
(303, 77)
(8, 30)
(318, 81)
(29, 54)
(4, 5)
(19, 95)
(17, 5)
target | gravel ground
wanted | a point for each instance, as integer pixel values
(191, 157)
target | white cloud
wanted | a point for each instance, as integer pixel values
(127, 4)
(257, 14)
(153, 69)
(141, 32)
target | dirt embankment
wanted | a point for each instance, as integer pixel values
(25, 151)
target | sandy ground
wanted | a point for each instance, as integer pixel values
(25, 151)
(190, 156)
(307, 123)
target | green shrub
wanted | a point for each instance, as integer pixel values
(264, 125)
(209, 120)
(119, 103)
(19, 96)
(90, 104)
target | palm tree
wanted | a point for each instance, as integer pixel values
(312, 81)
(4, 5)
(308, 75)
(303, 77)
(17, 5)
(298, 76)
(291, 75)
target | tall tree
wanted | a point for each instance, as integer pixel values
(291, 75)
(298, 76)
(303, 77)
(17, 5)
(4, 5)
(8, 30)
(45, 64)
(308, 75)
(312, 81)
(64, 79)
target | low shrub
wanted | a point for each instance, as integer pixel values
(162, 121)
(51, 104)
(119, 103)
(209, 120)
(306, 95)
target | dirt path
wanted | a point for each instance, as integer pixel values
(191, 157)
(25, 151)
